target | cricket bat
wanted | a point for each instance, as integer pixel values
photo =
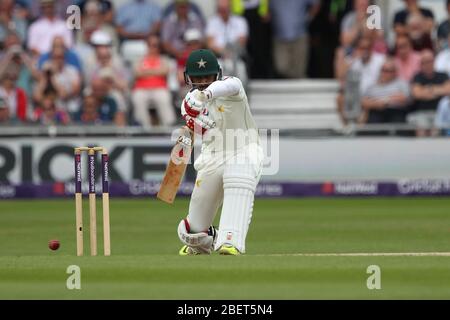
(179, 158)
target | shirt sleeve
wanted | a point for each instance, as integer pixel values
(228, 87)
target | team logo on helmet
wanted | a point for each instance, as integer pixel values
(202, 63)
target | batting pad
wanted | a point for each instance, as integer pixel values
(202, 242)
(239, 184)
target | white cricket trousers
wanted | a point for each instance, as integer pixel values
(233, 186)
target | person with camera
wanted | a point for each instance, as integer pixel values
(61, 78)
(15, 97)
(13, 54)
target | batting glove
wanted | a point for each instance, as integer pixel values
(201, 121)
(194, 102)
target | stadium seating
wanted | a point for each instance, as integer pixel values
(295, 104)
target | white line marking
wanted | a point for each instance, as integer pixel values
(362, 254)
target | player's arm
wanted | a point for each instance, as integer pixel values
(227, 87)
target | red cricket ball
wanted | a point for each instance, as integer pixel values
(53, 244)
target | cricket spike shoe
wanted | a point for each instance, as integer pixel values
(206, 249)
(188, 251)
(228, 250)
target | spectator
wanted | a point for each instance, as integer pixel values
(290, 21)
(19, 58)
(16, 97)
(357, 73)
(89, 113)
(175, 26)
(105, 57)
(106, 9)
(444, 30)
(62, 79)
(363, 61)
(137, 19)
(4, 112)
(99, 107)
(70, 57)
(45, 29)
(386, 101)
(108, 65)
(259, 45)
(412, 7)
(420, 38)
(354, 24)
(47, 113)
(227, 36)
(33, 8)
(193, 9)
(442, 120)
(150, 88)
(11, 21)
(353, 28)
(94, 17)
(428, 88)
(407, 60)
(442, 63)
(114, 88)
(86, 49)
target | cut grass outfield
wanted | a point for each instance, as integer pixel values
(145, 265)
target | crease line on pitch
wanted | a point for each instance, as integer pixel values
(360, 254)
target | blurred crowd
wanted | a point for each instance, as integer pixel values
(119, 66)
(406, 81)
(123, 65)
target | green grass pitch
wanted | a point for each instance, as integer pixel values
(145, 265)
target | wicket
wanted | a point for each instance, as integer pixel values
(92, 200)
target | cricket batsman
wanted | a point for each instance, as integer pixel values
(227, 172)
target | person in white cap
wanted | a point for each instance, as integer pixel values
(105, 56)
(109, 66)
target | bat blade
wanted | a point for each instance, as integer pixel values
(176, 167)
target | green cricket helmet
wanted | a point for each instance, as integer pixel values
(201, 63)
